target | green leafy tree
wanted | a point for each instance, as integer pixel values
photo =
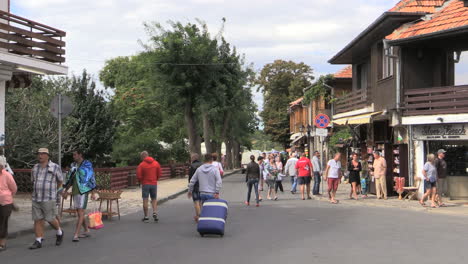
(91, 125)
(320, 89)
(281, 82)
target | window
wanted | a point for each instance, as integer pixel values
(387, 63)
(361, 76)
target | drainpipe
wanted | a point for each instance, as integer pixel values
(411, 157)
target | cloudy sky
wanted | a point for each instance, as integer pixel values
(311, 31)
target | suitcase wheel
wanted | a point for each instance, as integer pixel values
(202, 235)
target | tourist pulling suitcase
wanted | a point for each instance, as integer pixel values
(213, 217)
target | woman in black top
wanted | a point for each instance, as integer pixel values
(252, 177)
(354, 168)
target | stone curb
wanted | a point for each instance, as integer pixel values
(66, 222)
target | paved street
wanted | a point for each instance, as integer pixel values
(287, 231)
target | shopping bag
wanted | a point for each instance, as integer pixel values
(95, 220)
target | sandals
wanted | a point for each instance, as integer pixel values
(75, 239)
(84, 235)
(422, 204)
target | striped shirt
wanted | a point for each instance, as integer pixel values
(45, 182)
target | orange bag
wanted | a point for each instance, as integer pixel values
(95, 220)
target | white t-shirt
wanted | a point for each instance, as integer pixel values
(335, 167)
(219, 166)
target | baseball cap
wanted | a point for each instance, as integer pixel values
(441, 151)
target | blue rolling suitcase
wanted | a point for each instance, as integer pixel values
(213, 217)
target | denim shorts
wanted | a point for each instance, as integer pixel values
(149, 190)
(428, 185)
(196, 196)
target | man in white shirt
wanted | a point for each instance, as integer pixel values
(333, 177)
(317, 173)
(290, 170)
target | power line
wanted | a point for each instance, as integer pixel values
(169, 63)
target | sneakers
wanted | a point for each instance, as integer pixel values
(59, 239)
(36, 245)
(155, 217)
(257, 205)
(145, 219)
(247, 203)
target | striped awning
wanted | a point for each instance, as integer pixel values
(356, 120)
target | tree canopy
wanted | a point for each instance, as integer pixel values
(281, 82)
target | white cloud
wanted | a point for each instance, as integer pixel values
(311, 31)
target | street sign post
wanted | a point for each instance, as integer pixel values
(322, 132)
(61, 106)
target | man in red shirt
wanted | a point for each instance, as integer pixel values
(304, 176)
(148, 173)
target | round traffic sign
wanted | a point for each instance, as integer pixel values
(322, 121)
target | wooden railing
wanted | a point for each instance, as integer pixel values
(26, 37)
(351, 101)
(436, 100)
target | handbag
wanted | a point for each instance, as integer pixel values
(95, 219)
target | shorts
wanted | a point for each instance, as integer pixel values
(80, 201)
(304, 180)
(271, 184)
(333, 184)
(429, 185)
(196, 196)
(44, 210)
(149, 191)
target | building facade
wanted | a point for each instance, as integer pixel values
(406, 99)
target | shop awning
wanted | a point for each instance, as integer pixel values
(356, 120)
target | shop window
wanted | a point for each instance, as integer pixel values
(456, 156)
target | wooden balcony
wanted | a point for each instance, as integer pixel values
(436, 100)
(351, 101)
(22, 36)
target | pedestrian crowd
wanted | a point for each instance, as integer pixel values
(50, 185)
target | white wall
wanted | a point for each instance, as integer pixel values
(4, 5)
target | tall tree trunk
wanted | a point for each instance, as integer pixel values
(235, 154)
(193, 138)
(207, 133)
(228, 154)
(226, 138)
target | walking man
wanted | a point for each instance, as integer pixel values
(380, 172)
(441, 166)
(148, 174)
(209, 179)
(196, 192)
(304, 172)
(290, 170)
(317, 173)
(333, 177)
(46, 176)
(83, 181)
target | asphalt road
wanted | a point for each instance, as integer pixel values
(286, 231)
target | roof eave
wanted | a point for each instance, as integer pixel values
(443, 33)
(385, 16)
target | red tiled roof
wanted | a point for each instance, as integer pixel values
(426, 6)
(451, 16)
(298, 101)
(346, 73)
